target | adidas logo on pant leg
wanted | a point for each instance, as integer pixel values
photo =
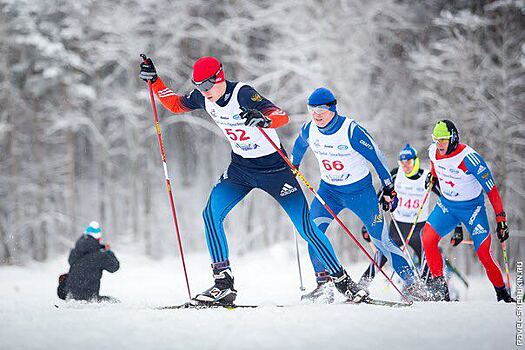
(478, 230)
(287, 189)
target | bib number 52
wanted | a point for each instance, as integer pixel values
(335, 165)
(237, 134)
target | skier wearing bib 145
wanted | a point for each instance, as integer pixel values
(462, 175)
(342, 148)
(409, 183)
(238, 109)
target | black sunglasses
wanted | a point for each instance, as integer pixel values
(207, 84)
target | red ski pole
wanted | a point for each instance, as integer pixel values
(168, 183)
(303, 179)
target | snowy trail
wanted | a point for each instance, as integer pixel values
(29, 320)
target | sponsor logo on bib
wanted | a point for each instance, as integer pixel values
(336, 178)
(247, 147)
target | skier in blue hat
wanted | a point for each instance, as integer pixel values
(409, 183)
(343, 149)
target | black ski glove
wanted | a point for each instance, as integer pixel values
(457, 236)
(365, 234)
(429, 181)
(255, 118)
(148, 71)
(501, 227)
(389, 198)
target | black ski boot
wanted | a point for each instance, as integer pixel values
(349, 288)
(503, 294)
(439, 289)
(417, 291)
(222, 291)
(323, 293)
(364, 283)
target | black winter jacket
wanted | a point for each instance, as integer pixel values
(87, 260)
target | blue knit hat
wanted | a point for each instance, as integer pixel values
(322, 96)
(408, 152)
(94, 230)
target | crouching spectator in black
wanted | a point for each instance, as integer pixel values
(87, 261)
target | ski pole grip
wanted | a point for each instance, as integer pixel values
(144, 58)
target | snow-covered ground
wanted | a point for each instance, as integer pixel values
(29, 319)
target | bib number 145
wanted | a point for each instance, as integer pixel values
(409, 203)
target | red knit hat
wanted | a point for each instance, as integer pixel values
(206, 67)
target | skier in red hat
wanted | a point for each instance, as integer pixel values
(238, 109)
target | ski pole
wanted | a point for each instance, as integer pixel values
(456, 272)
(298, 174)
(405, 247)
(168, 183)
(301, 286)
(505, 258)
(424, 275)
(377, 258)
(411, 232)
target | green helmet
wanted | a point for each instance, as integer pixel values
(445, 129)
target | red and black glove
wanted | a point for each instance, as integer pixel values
(389, 198)
(148, 71)
(502, 229)
(254, 118)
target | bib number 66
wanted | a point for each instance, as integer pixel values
(335, 165)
